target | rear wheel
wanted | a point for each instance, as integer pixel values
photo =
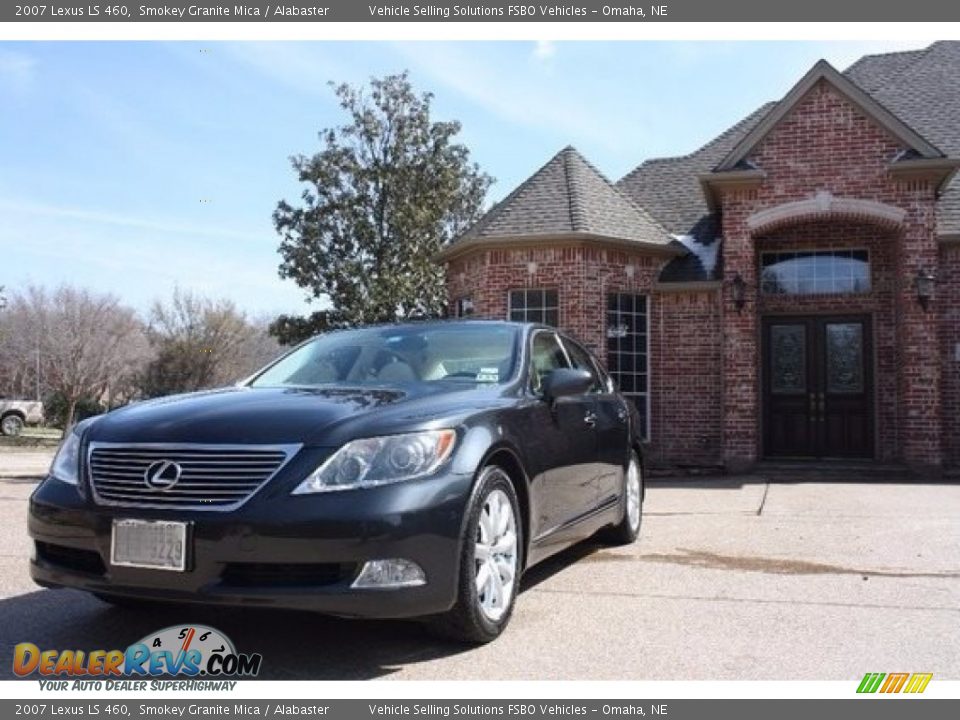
(627, 530)
(11, 425)
(489, 563)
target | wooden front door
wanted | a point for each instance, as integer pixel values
(818, 387)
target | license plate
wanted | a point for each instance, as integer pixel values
(160, 545)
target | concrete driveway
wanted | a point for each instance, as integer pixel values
(733, 578)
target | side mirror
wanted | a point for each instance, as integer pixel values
(566, 381)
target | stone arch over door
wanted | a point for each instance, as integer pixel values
(824, 206)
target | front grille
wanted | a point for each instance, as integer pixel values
(210, 477)
(286, 574)
(85, 561)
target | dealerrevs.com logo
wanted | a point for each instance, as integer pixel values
(179, 650)
(911, 683)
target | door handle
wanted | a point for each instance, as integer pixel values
(590, 419)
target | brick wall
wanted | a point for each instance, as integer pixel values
(826, 144)
(948, 302)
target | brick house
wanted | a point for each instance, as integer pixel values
(789, 290)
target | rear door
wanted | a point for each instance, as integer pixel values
(611, 425)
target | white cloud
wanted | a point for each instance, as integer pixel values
(544, 50)
(17, 69)
(104, 218)
(515, 96)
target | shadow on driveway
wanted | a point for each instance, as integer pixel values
(295, 645)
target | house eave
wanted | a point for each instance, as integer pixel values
(570, 239)
(949, 238)
(939, 170)
(710, 183)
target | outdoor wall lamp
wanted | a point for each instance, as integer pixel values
(739, 290)
(924, 284)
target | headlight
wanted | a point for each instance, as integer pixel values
(378, 461)
(66, 463)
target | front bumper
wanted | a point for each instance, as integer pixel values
(277, 550)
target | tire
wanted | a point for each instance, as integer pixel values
(626, 531)
(486, 589)
(11, 425)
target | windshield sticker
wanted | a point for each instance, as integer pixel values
(488, 375)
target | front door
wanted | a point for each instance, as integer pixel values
(817, 387)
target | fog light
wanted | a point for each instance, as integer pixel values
(393, 573)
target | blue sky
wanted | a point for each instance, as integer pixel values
(136, 167)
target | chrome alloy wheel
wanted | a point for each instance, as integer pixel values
(633, 494)
(495, 555)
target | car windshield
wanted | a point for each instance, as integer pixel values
(405, 354)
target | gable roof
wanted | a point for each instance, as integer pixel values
(919, 88)
(567, 198)
(865, 102)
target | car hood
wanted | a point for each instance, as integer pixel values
(312, 416)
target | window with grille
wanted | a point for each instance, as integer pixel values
(536, 305)
(628, 351)
(814, 271)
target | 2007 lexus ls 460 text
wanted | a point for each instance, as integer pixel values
(410, 470)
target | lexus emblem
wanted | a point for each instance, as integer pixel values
(162, 475)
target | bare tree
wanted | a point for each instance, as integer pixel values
(77, 342)
(200, 343)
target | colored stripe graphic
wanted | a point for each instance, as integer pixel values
(894, 682)
(918, 682)
(870, 682)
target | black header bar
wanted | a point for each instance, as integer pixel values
(326, 11)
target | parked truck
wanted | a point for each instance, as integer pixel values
(14, 414)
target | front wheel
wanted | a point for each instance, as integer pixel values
(489, 563)
(11, 425)
(627, 530)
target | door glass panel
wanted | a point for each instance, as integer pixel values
(788, 359)
(546, 356)
(844, 358)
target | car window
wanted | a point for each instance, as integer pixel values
(546, 355)
(448, 352)
(581, 360)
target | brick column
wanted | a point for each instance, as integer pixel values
(741, 372)
(920, 360)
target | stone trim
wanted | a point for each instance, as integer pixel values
(825, 206)
(688, 286)
(569, 239)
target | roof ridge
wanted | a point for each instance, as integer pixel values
(576, 205)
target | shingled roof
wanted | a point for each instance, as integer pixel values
(568, 198)
(669, 189)
(922, 88)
